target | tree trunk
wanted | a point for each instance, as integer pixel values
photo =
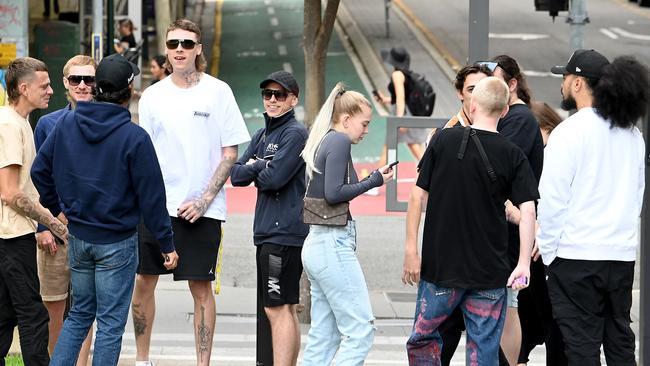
(314, 83)
(163, 19)
(316, 34)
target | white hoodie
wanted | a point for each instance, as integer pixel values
(591, 190)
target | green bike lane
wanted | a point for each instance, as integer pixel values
(262, 36)
(258, 37)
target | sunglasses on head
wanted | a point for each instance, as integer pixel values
(75, 80)
(280, 96)
(489, 64)
(187, 44)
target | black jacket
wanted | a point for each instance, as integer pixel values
(279, 175)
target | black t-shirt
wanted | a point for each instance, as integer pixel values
(520, 127)
(130, 39)
(465, 238)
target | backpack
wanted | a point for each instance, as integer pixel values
(421, 97)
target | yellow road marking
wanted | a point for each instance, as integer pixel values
(216, 46)
(435, 42)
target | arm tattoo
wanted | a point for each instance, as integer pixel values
(204, 335)
(25, 207)
(217, 181)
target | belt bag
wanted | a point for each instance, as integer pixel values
(317, 211)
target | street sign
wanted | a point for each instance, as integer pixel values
(7, 53)
(96, 49)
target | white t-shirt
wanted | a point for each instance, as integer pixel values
(188, 128)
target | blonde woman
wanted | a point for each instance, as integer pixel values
(341, 316)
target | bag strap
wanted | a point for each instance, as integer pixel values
(463, 146)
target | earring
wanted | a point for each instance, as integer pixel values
(345, 125)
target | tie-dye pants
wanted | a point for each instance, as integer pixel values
(484, 313)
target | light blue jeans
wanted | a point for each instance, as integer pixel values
(102, 277)
(341, 315)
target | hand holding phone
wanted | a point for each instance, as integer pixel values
(393, 163)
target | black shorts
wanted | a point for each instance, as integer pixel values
(279, 268)
(197, 246)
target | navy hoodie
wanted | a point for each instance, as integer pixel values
(279, 175)
(104, 170)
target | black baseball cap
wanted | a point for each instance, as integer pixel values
(587, 63)
(115, 73)
(283, 78)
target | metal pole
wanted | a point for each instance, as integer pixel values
(387, 10)
(110, 26)
(479, 29)
(644, 260)
(577, 20)
(98, 30)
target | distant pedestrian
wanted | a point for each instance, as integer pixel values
(465, 223)
(341, 315)
(53, 268)
(101, 170)
(158, 69)
(196, 126)
(591, 197)
(272, 161)
(127, 39)
(399, 88)
(28, 89)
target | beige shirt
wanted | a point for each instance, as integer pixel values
(16, 148)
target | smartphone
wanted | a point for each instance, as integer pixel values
(393, 163)
(375, 93)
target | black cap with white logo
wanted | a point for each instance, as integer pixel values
(115, 73)
(587, 63)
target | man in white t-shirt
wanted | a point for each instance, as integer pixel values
(591, 194)
(195, 124)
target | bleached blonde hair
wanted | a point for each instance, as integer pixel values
(338, 103)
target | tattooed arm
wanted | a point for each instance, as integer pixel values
(12, 196)
(194, 209)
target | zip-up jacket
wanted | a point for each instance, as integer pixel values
(279, 175)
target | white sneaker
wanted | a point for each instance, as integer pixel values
(372, 191)
(144, 363)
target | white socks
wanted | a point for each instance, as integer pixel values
(144, 363)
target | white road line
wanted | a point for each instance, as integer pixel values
(270, 10)
(608, 33)
(274, 21)
(287, 67)
(624, 33)
(267, 2)
(521, 36)
(282, 50)
(277, 36)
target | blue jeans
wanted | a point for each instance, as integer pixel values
(484, 313)
(341, 316)
(102, 278)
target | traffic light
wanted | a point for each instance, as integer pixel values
(552, 6)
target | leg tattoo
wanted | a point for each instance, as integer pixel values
(204, 335)
(139, 320)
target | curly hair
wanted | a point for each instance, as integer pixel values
(622, 93)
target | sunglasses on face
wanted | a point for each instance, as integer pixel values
(280, 96)
(75, 80)
(187, 44)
